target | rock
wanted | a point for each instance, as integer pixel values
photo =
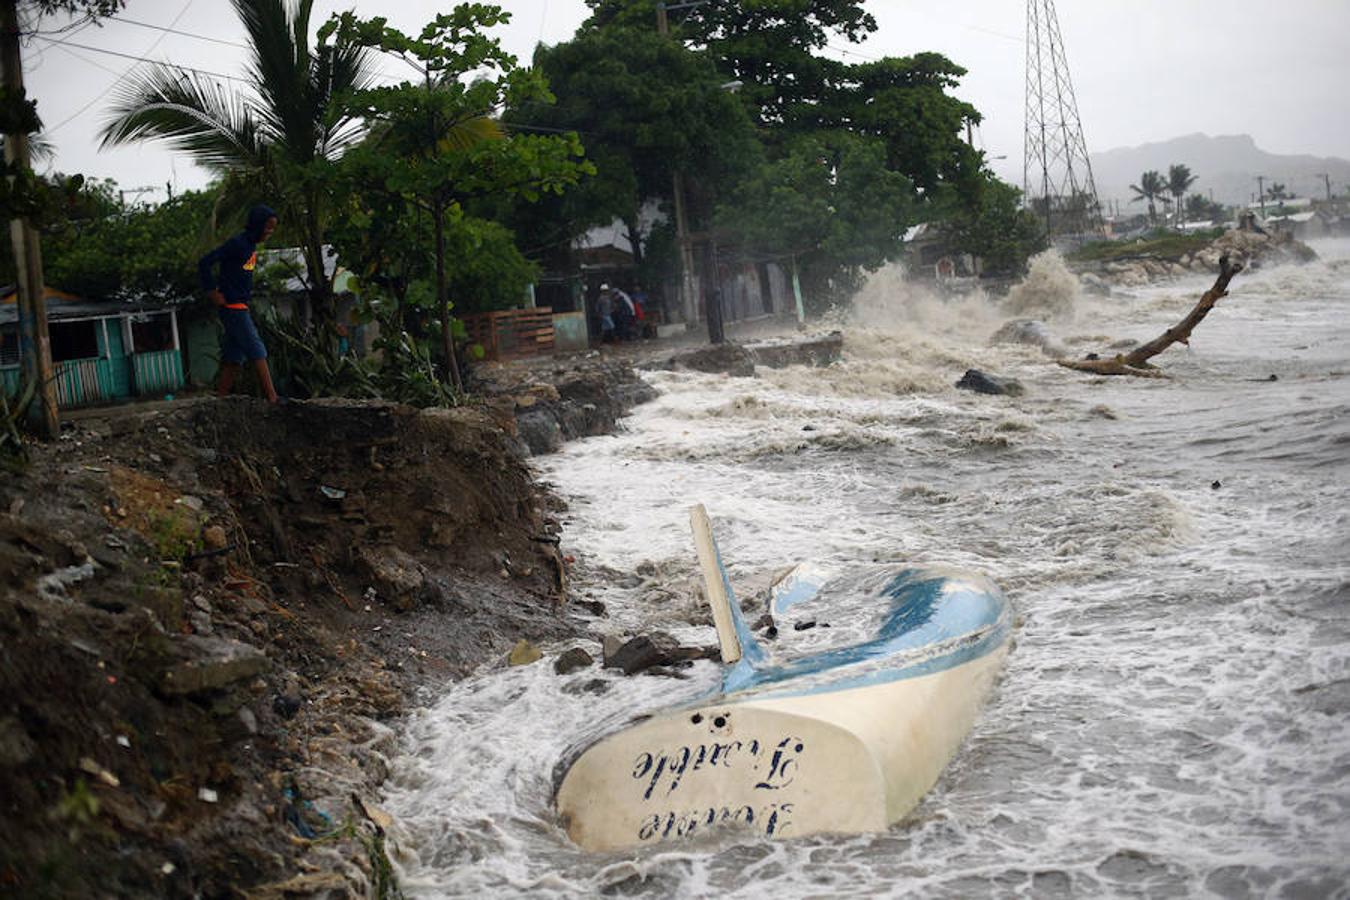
(573, 660)
(213, 663)
(609, 645)
(594, 607)
(1031, 332)
(16, 747)
(287, 705)
(643, 652)
(818, 352)
(248, 719)
(214, 538)
(733, 359)
(590, 686)
(397, 576)
(981, 383)
(540, 431)
(200, 622)
(523, 653)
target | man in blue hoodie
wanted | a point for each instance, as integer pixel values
(231, 293)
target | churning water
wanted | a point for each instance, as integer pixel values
(1174, 719)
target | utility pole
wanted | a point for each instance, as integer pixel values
(1261, 187)
(1055, 163)
(687, 293)
(34, 341)
(1327, 179)
(712, 287)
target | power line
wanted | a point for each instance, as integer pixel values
(172, 30)
(144, 59)
(116, 81)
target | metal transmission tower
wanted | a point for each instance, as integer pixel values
(1056, 175)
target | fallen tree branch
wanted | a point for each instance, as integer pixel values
(1136, 362)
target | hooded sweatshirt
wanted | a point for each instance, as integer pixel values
(237, 258)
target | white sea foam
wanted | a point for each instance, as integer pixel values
(1173, 718)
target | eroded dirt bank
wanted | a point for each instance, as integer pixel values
(210, 616)
(213, 615)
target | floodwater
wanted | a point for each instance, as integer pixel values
(1174, 718)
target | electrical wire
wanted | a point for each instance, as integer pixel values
(171, 30)
(118, 80)
(143, 59)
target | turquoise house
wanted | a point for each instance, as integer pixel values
(103, 352)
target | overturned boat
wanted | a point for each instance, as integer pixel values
(840, 724)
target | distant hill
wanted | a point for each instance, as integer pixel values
(1227, 165)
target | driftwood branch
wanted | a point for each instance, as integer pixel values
(1136, 362)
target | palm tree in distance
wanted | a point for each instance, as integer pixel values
(1151, 187)
(1179, 181)
(268, 139)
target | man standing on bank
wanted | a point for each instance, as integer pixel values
(231, 293)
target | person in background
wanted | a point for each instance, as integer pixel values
(625, 316)
(231, 292)
(604, 308)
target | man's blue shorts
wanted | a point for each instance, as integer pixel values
(240, 341)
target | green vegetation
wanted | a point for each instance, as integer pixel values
(452, 191)
(1151, 187)
(276, 140)
(1159, 244)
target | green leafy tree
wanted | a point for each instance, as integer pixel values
(649, 108)
(1151, 187)
(432, 148)
(274, 139)
(1179, 181)
(138, 253)
(1000, 231)
(904, 102)
(1278, 191)
(831, 203)
(1200, 207)
(771, 46)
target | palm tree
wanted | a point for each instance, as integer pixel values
(1152, 188)
(265, 139)
(1179, 181)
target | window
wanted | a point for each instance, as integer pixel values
(74, 340)
(151, 332)
(9, 345)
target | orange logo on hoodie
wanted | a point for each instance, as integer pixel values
(252, 262)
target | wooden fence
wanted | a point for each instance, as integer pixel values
(512, 333)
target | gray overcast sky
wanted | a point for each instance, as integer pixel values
(1143, 71)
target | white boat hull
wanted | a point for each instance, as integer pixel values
(850, 760)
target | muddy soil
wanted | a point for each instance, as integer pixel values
(212, 615)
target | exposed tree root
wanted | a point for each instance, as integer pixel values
(1136, 362)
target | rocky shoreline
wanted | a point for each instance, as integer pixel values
(213, 616)
(1252, 248)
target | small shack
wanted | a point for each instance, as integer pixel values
(102, 352)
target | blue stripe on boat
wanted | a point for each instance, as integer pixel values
(935, 623)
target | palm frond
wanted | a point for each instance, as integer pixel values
(298, 86)
(189, 112)
(465, 134)
(279, 67)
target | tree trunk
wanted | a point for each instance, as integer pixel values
(35, 341)
(634, 241)
(443, 303)
(320, 287)
(1136, 362)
